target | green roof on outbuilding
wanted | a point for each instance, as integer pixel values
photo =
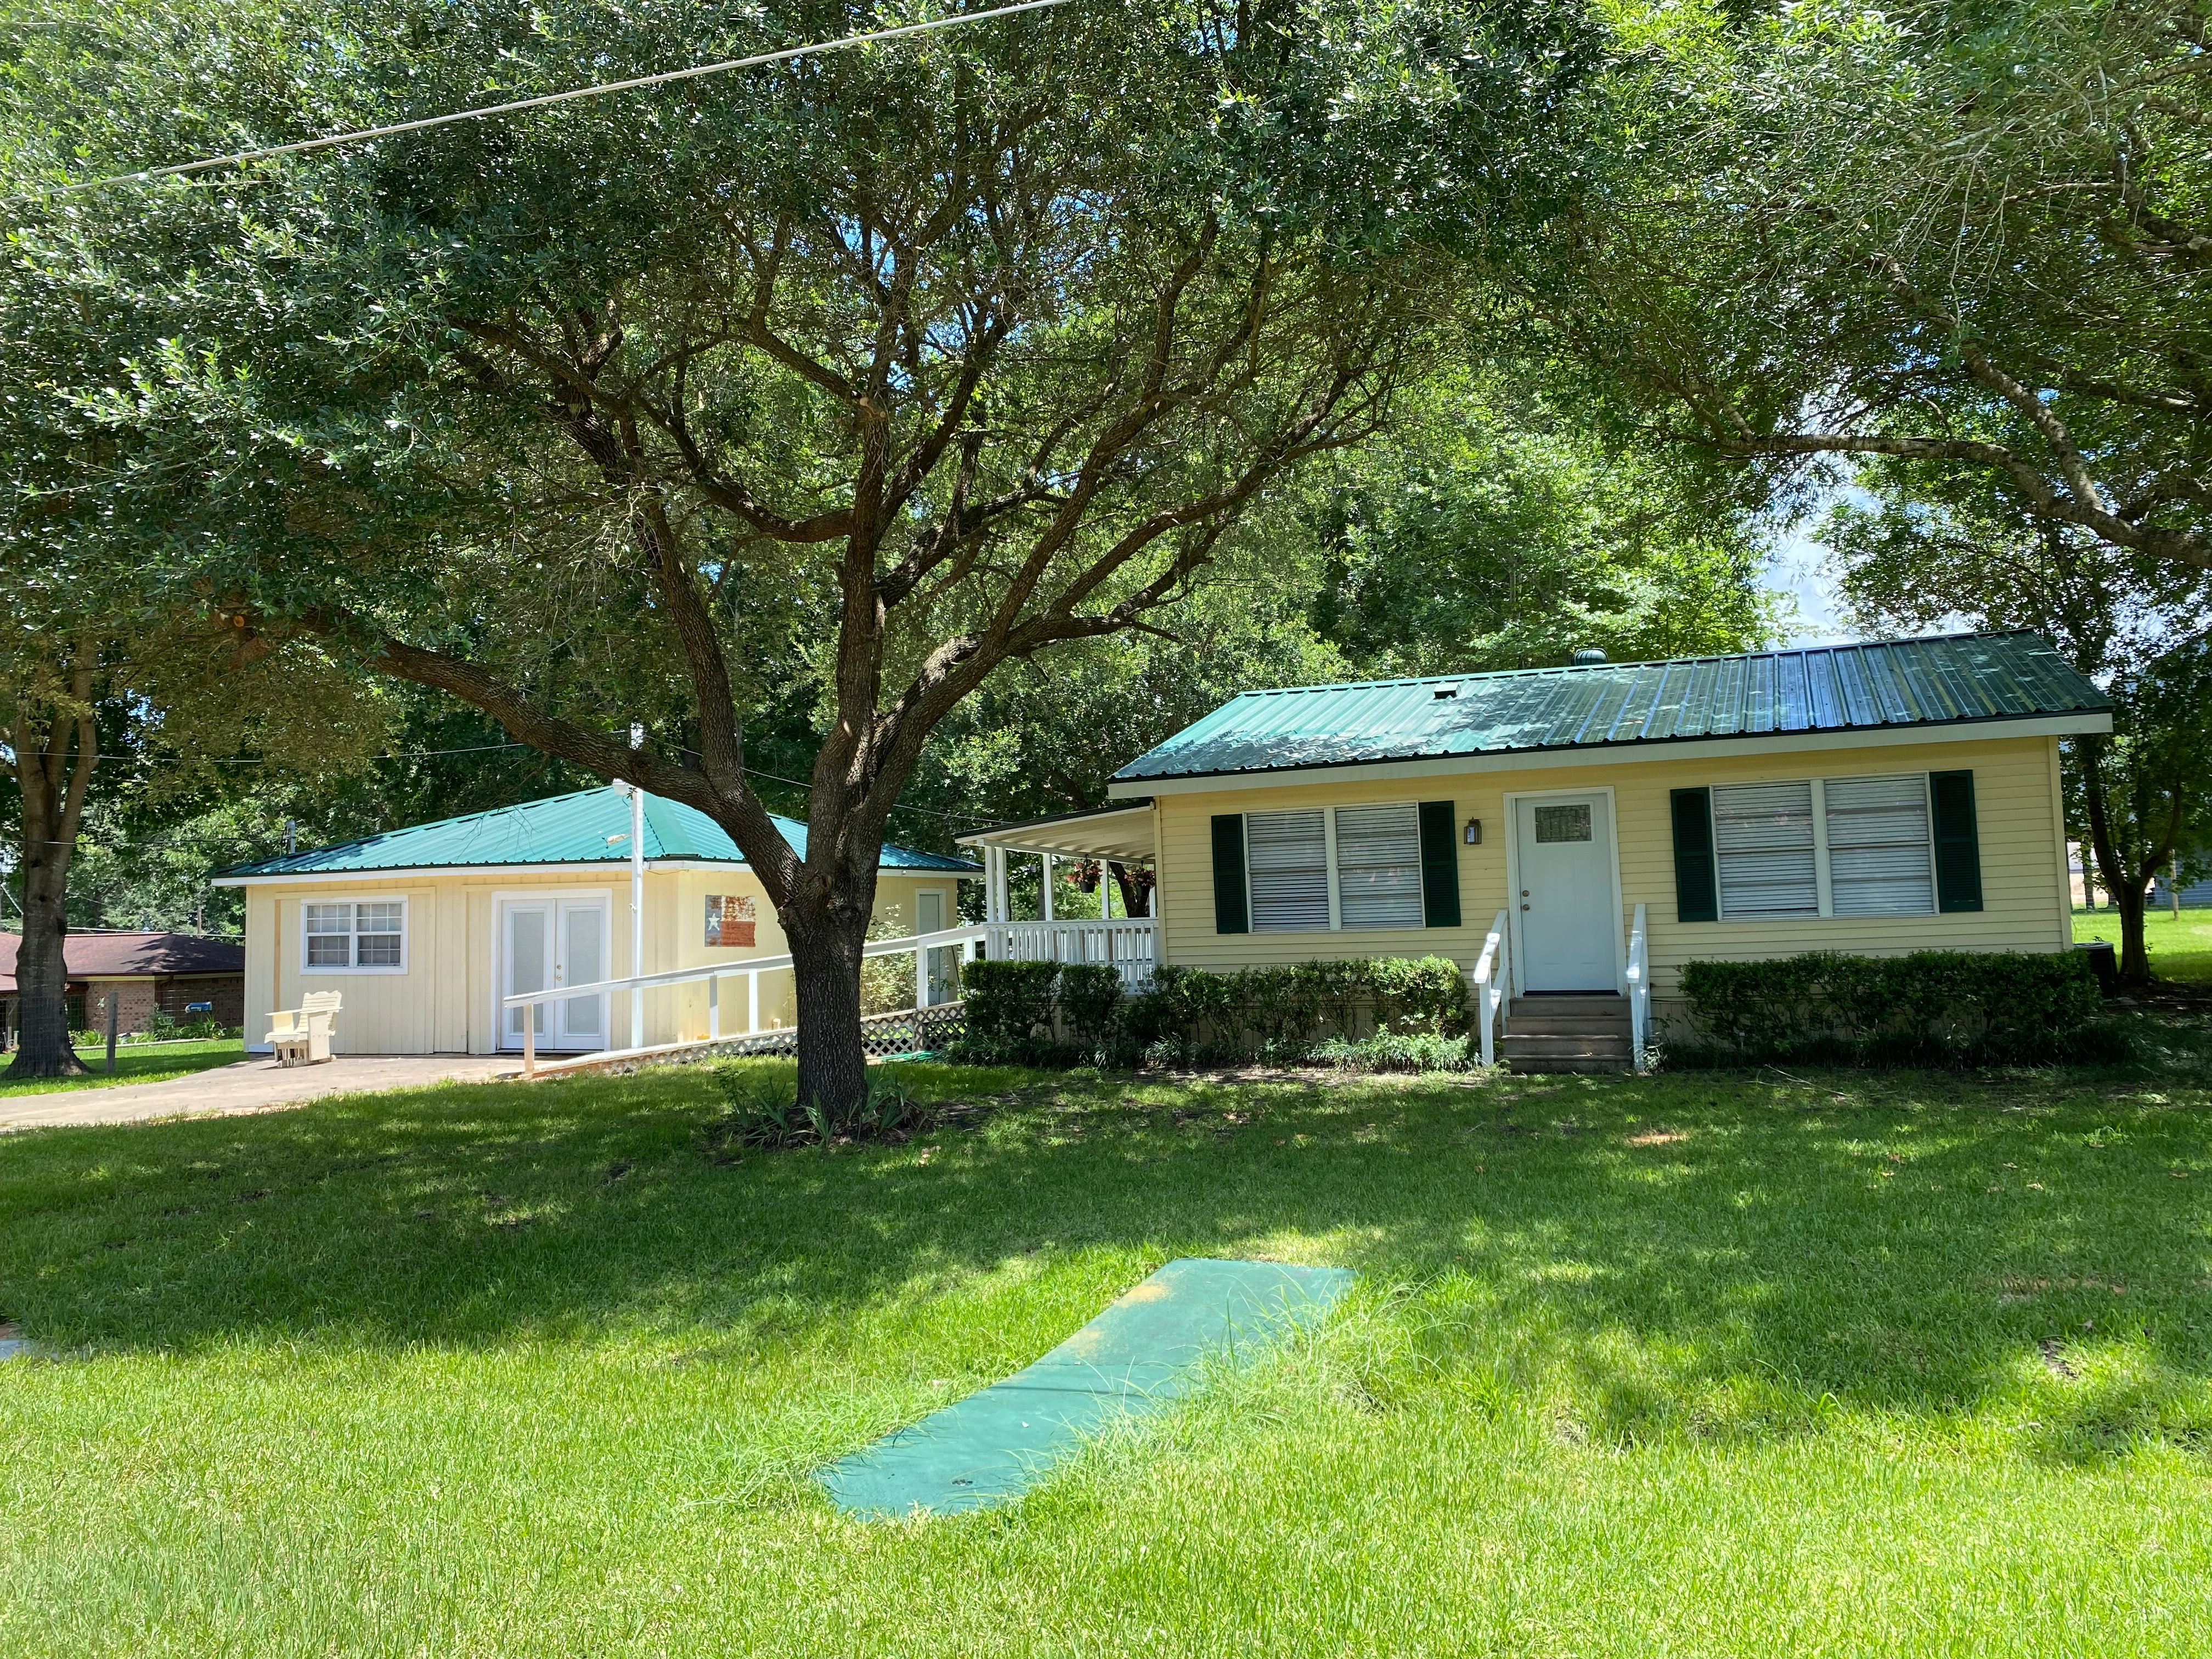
(589, 827)
(1960, 678)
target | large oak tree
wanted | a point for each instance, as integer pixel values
(888, 368)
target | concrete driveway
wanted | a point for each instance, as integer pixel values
(250, 1085)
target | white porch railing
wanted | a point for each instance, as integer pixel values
(1126, 943)
(1639, 988)
(1493, 981)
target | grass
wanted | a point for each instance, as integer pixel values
(1706, 1365)
(2179, 949)
(137, 1062)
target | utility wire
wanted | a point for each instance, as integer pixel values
(240, 158)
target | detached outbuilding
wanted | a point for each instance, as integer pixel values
(423, 931)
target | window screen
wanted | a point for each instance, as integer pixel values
(1378, 866)
(329, 936)
(1879, 862)
(355, 935)
(1286, 858)
(1763, 838)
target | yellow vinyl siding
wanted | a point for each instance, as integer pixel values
(2023, 876)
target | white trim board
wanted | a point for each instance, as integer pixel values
(431, 872)
(1622, 754)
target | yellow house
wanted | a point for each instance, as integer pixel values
(1570, 837)
(423, 932)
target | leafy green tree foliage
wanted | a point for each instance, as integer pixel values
(1973, 236)
(1490, 532)
(1930, 544)
(906, 363)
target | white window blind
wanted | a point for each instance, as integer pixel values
(1880, 857)
(1286, 864)
(1378, 866)
(356, 935)
(1763, 841)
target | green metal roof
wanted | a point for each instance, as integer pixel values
(1947, 681)
(590, 826)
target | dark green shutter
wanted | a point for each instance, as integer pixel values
(1229, 914)
(1957, 842)
(1697, 897)
(1439, 865)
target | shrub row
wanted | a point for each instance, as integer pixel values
(1038, 1012)
(1928, 1008)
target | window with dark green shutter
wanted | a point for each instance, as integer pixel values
(1958, 841)
(1230, 915)
(1439, 865)
(1697, 897)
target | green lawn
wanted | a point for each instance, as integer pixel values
(1700, 1365)
(2178, 950)
(137, 1062)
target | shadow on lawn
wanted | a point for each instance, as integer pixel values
(1698, 1254)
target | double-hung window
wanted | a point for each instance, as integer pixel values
(347, 936)
(1832, 847)
(1286, 859)
(1344, 866)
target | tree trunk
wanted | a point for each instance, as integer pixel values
(825, 970)
(52, 785)
(41, 975)
(2135, 956)
(1136, 887)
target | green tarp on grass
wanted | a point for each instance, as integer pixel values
(1136, 1357)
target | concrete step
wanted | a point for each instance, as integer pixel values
(1562, 1025)
(1566, 1008)
(1565, 1044)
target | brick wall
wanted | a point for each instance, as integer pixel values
(226, 991)
(136, 998)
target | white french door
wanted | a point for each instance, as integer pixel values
(545, 943)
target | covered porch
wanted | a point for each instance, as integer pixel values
(1118, 837)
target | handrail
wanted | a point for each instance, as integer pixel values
(714, 973)
(1490, 993)
(1639, 987)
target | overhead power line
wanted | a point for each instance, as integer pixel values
(240, 158)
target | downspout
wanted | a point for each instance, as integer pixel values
(636, 898)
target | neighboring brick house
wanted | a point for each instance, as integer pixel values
(143, 972)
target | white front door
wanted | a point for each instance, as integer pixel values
(1567, 920)
(545, 943)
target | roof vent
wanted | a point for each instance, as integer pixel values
(1589, 653)
(1444, 692)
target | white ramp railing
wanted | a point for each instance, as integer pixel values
(1492, 977)
(750, 970)
(1639, 988)
(1125, 943)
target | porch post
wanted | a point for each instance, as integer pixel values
(1045, 890)
(922, 977)
(752, 1002)
(714, 1007)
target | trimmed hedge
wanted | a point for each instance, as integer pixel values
(1189, 1013)
(1931, 1007)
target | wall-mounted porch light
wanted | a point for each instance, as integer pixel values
(1474, 832)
